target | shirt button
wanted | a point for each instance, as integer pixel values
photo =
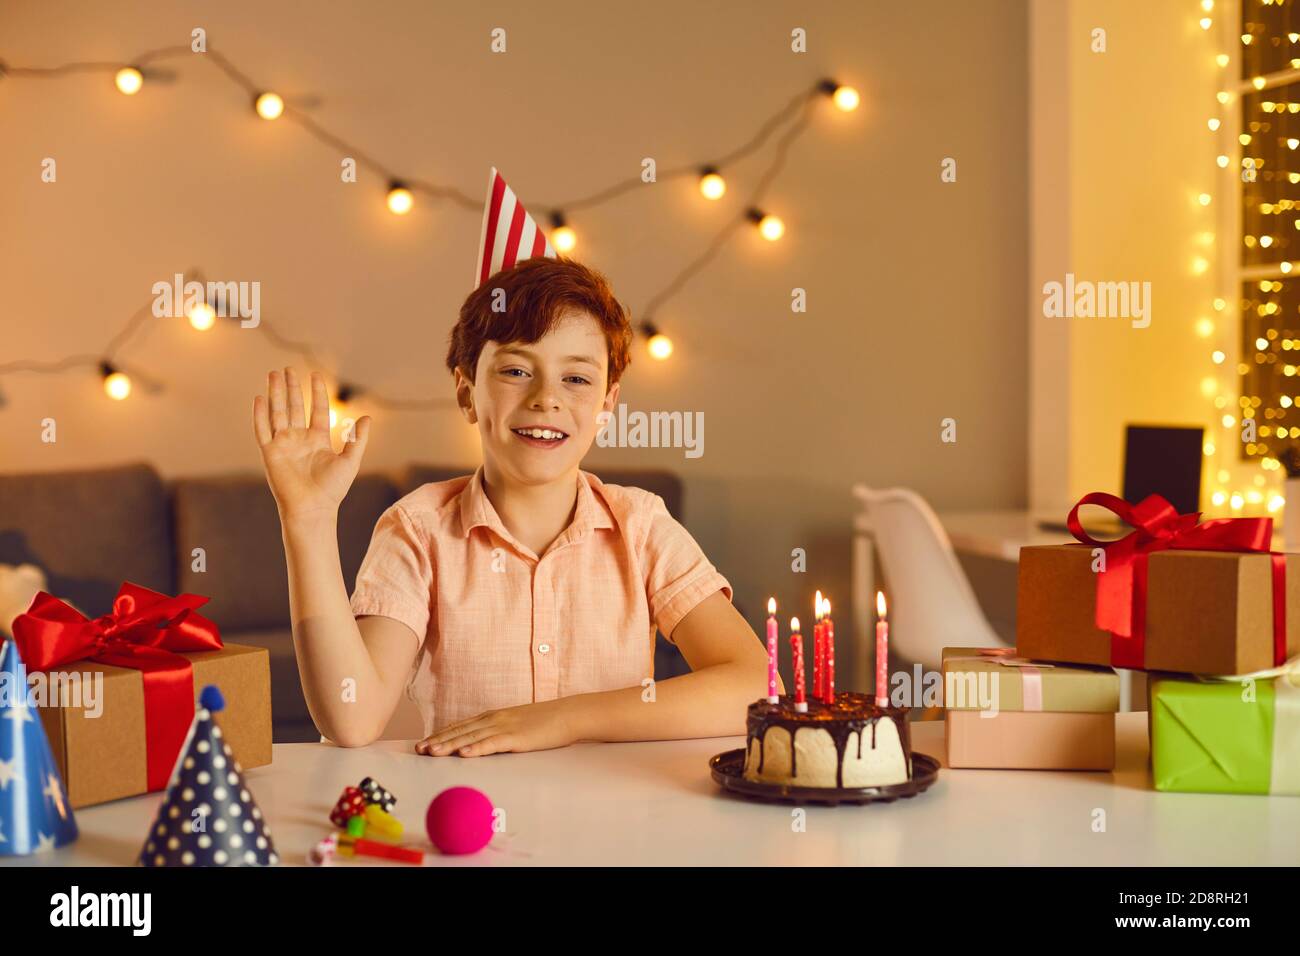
(543, 648)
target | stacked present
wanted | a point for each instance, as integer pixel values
(1006, 711)
(1204, 599)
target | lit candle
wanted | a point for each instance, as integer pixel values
(772, 696)
(796, 645)
(882, 652)
(828, 641)
(817, 646)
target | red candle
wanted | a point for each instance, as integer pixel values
(796, 645)
(828, 644)
(772, 696)
(882, 652)
(818, 648)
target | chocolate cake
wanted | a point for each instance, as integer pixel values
(849, 742)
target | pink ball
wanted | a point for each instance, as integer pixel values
(459, 820)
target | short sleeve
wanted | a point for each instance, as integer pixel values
(678, 575)
(396, 575)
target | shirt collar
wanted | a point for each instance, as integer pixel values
(590, 512)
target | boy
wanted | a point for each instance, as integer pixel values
(518, 606)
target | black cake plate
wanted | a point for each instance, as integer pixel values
(728, 771)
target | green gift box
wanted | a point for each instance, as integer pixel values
(1240, 735)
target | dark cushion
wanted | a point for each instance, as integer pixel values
(89, 530)
(662, 483)
(233, 518)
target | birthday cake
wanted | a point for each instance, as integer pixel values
(848, 742)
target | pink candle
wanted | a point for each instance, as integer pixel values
(772, 696)
(796, 645)
(817, 646)
(828, 645)
(882, 652)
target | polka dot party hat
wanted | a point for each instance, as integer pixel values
(208, 817)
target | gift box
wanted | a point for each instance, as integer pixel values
(1233, 736)
(978, 678)
(1176, 594)
(117, 694)
(1025, 740)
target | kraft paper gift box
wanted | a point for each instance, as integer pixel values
(1231, 736)
(117, 693)
(1206, 612)
(104, 757)
(1022, 684)
(1006, 712)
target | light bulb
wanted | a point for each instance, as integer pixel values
(771, 227)
(1222, 59)
(269, 106)
(1206, 23)
(117, 385)
(846, 98)
(660, 346)
(564, 238)
(712, 185)
(1204, 328)
(129, 80)
(1203, 199)
(1258, 82)
(1213, 123)
(400, 199)
(202, 316)
(1223, 162)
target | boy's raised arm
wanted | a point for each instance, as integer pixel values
(351, 674)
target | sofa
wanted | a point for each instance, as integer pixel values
(90, 530)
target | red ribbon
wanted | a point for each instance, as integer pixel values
(1122, 588)
(146, 631)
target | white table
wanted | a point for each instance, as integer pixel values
(655, 803)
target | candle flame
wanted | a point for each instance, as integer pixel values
(794, 624)
(817, 606)
(771, 606)
(881, 609)
(826, 607)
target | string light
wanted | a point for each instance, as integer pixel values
(562, 235)
(770, 227)
(129, 80)
(712, 185)
(846, 98)
(400, 199)
(658, 345)
(117, 384)
(202, 316)
(269, 106)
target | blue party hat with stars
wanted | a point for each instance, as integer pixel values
(35, 815)
(208, 817)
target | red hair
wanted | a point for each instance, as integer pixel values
(538, 292)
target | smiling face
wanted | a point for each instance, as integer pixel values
(536, 404)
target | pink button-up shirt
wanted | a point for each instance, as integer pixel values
(500, 625)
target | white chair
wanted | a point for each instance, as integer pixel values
(931, 603)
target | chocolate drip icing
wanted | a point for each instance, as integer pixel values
(849, 712)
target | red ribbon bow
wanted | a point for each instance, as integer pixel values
(146, 631)
(1122, 588)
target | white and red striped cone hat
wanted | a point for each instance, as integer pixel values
(509, 234)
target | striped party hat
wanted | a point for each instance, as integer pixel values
(509, 234)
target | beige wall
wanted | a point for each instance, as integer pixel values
(1123, 207)
(915, 288)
